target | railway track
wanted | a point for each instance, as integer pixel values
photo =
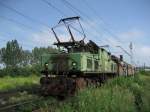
(32, 90)
(6, 106)
(15, 106)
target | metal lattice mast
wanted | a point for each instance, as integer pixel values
(131, 53)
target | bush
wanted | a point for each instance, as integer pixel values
(142, 72)
(36, 69)
(9, 83)
(20, 71)
(105, 100)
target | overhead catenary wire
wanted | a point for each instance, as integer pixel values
(27, 17)
(19, 23)
(31, 19)
(51, 5)
(23, 15)
(101, 19)
(59, 11)
(77, 11)
(63, 14)
(23, 44)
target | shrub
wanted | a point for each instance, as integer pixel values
(20, 71)
(105, 100)
(35, 69)
(8, 83)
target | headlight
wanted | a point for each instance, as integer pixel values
(46, 64)
(74, 63)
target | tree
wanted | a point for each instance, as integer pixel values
(38, 52)
(12, 54)
(26, 57)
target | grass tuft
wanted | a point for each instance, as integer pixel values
(7, 83)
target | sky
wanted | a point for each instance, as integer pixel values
(106, 22)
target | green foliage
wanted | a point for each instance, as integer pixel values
(12, 54)
(17, 61)
(142, 72)
(7, 83)
(38, 52)
(26, 58)
(145, 92)
(36, 69)
(105, 100)
(20, 71)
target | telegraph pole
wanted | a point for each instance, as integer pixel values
(144, 66)
(131, 52)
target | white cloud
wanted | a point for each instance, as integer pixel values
(47, 38)
(142, 54)
(130, 35)
(44, 38)
(145, 50)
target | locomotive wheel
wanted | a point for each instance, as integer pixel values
(72, 89)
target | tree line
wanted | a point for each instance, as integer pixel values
(16, 61)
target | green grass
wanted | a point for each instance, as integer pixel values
(8, 83)
(106, 100)
(146, 93)
(121, 94)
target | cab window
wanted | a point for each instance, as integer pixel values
(96, 65)
(89, 63)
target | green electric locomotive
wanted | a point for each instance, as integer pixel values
(79, 64)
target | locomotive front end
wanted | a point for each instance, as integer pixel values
(61, 64)
(57, 72)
